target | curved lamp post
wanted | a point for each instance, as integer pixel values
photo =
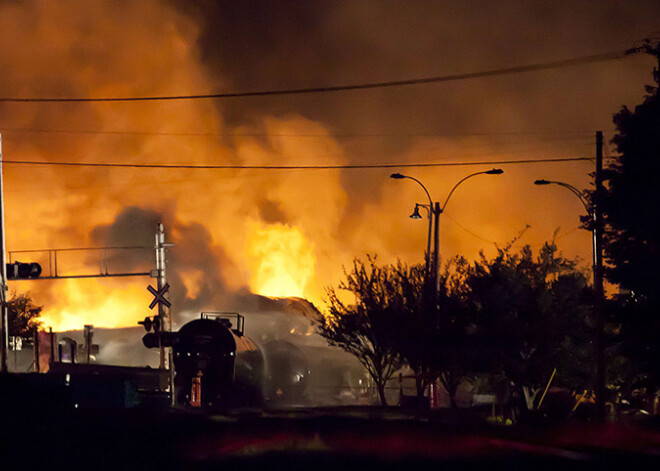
(434, 211)
(416, 215)
(597, 268)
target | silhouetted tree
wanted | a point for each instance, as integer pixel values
(370, 327)
(526, 315)
(631, 197)
(23, 315)
(412, 301)
(445, 327)
(631, 211)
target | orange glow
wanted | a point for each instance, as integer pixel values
(193, 282)
(281, 259)
(81, 302)
(282, 233)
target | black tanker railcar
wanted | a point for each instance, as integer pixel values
(217, 367)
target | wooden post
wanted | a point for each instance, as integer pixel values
(37, 366)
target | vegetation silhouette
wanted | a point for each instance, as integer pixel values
(23, 315)
(631, 209)
(507, 322)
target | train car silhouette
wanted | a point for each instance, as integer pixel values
(217, 367)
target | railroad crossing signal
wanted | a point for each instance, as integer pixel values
(159, 296)
(157, 338)
(22, 271)
(150, 323)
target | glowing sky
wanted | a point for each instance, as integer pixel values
(289, 232)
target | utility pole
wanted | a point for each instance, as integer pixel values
(598, 280)
(3, 275)
(163, 311)
(435, 210)
(161, 280)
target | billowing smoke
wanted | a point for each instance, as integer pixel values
(194, 265)
(244, 236)
(244, 233)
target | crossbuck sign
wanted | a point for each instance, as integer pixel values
(159, 296)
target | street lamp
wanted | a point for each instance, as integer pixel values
(597, 267)
(572, 189)
(416, 215)
(434, 211)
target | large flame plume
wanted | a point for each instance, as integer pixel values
(275, 233)
(92, 302)
(283, 258)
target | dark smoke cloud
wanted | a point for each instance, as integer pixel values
(193, 251)
(155, 47)
(270, 212)
(255, 45)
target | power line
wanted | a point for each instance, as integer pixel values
(483, 239)
(576, 134)
(296, 167)
(608, 56)
(472, 233)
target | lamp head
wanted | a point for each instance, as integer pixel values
(495, 171)
(415, 214)
(541, 182)
(397, 176)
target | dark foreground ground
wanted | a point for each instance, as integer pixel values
(312, 439)
(47, 425)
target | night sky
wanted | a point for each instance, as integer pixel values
(288, 232)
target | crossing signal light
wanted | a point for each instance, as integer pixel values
(150, 341)
(167, 339)
(158, 337)
(22, 271)
(156, 324)
(146, 323)
(151, 323)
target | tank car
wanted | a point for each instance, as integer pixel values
(215, 365)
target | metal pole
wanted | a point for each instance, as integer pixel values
(52, 345)
(37, 365)
(159, 284)
(436, 251)
(428, 244)
(598, 280)
(162, 277)
(164, 312)
(3, 277)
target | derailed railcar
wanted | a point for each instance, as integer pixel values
(215, 365)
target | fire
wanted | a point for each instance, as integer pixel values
(94, 302)
(281, 259)
(304, 225)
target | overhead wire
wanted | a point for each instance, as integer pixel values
(573, 134)
(469, 231)
(594, 58)
(484, 239)
(295, 167)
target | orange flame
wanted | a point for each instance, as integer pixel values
(281, 259)
(92, 301)
(155, 54)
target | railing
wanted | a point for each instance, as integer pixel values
(52, 262)
(235, 321)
